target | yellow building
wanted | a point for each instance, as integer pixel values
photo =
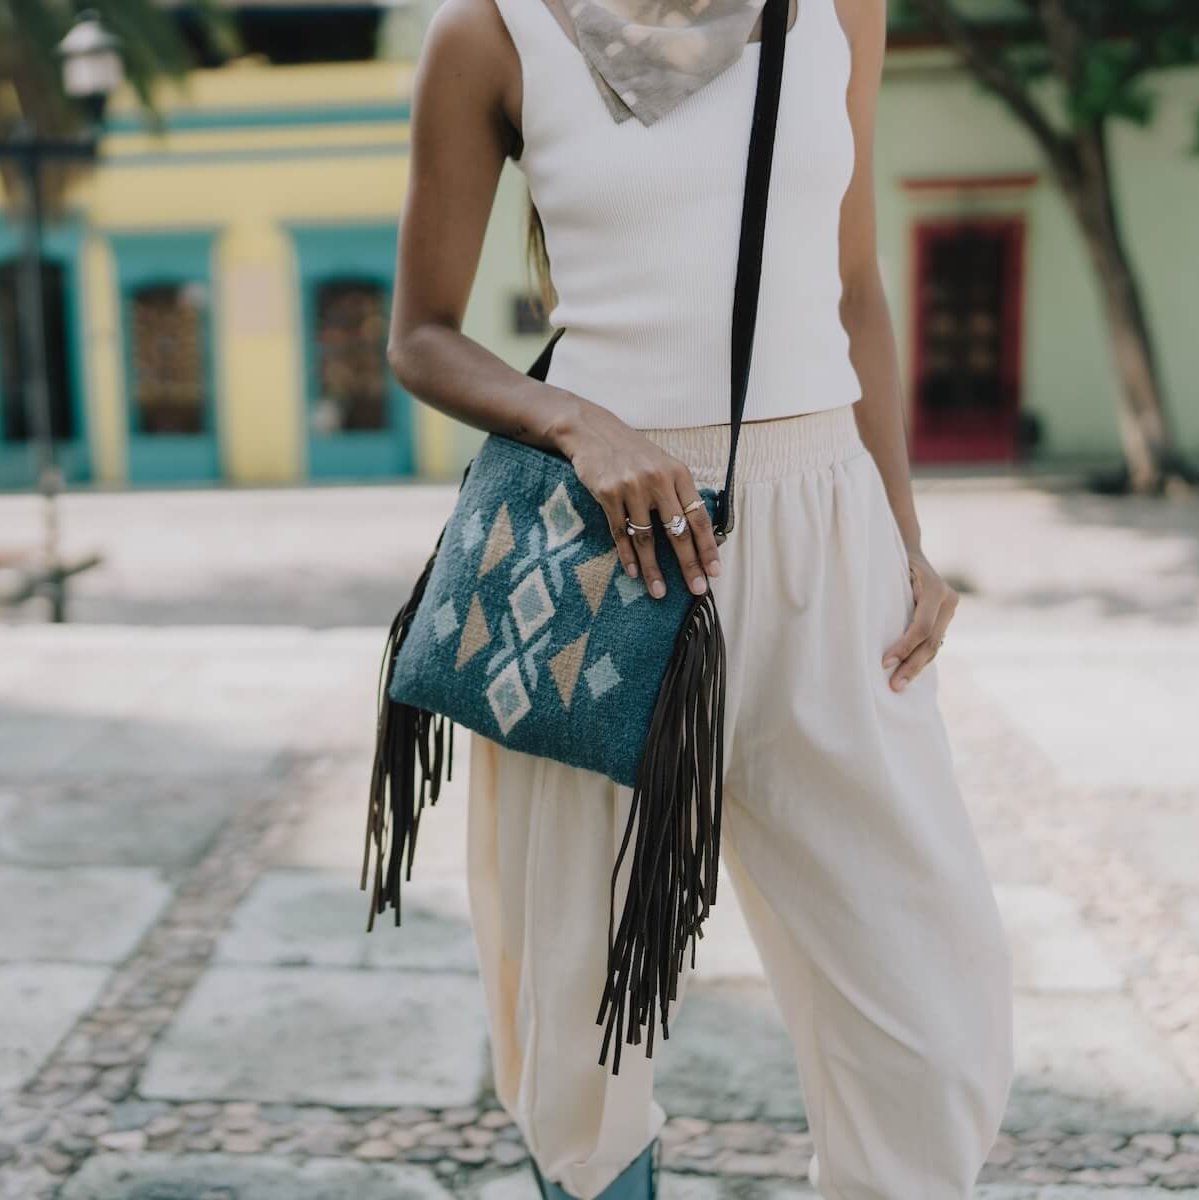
(218, 292)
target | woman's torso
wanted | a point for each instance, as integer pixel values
(641, 225)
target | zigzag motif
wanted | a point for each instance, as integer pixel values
(531, 660)
(533, 555)
(556, 561)
(507, 649)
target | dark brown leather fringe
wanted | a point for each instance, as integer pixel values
(414, 752)
(675, 819)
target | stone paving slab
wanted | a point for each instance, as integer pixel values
(317, 1035)
(1100, 738)
(40, 1002)
(318, 918)
(1052, 948)
(241, 1177)
(1007, 1191)
(728, 1057)
(691, 1187)
(330, 834)
(98, 919)
(128, 821)
(1091, 1062)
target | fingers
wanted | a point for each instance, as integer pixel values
(643, 546)
(615, 512)
(685, 544)
(664, 487)
(700, 523)
(921, 640)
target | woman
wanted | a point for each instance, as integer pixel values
(845, 834)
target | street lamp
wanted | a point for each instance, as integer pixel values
(91, 65)
(92, 71)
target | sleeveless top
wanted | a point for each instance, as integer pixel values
(642, 224)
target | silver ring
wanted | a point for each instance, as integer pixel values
(630, 528)
(678, 525)
(690, 508)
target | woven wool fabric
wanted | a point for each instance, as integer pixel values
(530, 632)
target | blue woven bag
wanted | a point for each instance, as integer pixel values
(523, 627)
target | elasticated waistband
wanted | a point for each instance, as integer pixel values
(767, 449)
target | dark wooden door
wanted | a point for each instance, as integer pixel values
(968, 357)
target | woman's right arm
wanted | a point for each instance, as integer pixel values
(465, 113)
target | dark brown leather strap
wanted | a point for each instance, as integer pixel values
(749, 253)
(753, 233)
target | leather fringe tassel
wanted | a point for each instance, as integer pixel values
(414, 752)
(675, 819)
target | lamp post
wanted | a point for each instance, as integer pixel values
(92, 71)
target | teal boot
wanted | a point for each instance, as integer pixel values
(638, 1181)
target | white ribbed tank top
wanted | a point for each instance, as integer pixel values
(642, 226)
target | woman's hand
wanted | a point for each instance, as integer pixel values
(630, 476)
(936, 603)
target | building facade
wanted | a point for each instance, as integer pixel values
(218, 292)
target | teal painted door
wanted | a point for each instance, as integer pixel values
(18, 451)
(165, 307)
(359, 419)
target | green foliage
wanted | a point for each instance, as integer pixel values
(150, 43)
(1099, 62)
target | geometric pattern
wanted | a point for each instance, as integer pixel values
(556, 561)
(531, 604)
(522, 565)
(594, 576)
(530, 659)
(565, 667)
(629, 589)
(506, 650)
(602, 676)
(533, 640)
(500, 542)
(472, 531)
(445, 621)
(475, 634)
(562, 520)
(507, 696)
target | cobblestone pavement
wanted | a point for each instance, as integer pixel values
(180, 810)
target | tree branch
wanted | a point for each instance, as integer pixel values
(1001, 80)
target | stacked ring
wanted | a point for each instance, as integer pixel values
(678, 525)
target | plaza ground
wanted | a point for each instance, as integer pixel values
(191, 1006)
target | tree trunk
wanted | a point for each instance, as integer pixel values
(1144, 427)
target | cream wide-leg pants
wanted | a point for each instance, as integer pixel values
(845, 838)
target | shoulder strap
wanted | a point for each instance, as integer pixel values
(753, 234)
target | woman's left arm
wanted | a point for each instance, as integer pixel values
(867, 321)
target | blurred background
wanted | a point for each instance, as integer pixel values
(213, 498)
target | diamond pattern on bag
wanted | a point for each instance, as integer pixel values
(629, 589)
(602, 676)
(561, 518)
(475, 634)
(594, 576)
(500, 542)
(445, 621)
(531, 604)
(508, 699)
(566, 665)
(472, 531)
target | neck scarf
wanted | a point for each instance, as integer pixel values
(648, 55)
